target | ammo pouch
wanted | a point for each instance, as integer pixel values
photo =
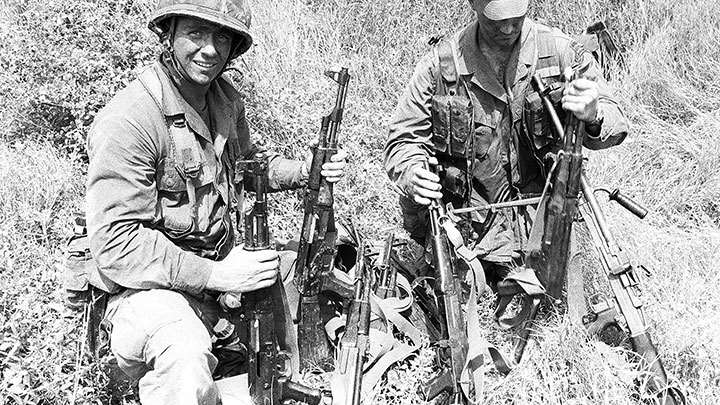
(453, 123)
(81, 295)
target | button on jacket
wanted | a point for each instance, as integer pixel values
(140, 222)
(506, 156)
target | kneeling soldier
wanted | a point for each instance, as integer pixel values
(160, 196)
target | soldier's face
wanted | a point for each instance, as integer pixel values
(201, 48)
(500, 33)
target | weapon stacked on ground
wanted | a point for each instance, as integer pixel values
(352, 351)
(269, 328)
(603, 318)
(316, 250)
(386, 272)
(453, 347)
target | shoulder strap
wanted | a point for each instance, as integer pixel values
(183, 144)
(548, 61)
(446, 77)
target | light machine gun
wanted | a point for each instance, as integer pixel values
(316, 249)
(627, 314)
(549, 257)
(270, 334)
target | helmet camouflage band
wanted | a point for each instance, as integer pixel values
(233, 15)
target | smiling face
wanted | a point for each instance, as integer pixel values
(201, 48)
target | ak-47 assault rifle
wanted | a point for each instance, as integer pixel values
(550, 242)
(352, 351)
(316, 250)
(453, 347)
(269, 331)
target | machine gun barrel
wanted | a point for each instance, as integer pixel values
(626, 292)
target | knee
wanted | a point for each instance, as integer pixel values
(184, 354)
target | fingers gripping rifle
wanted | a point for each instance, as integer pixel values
(549, 243)
(269, 337)
(625, 289)
(316, 249)
(453, 348)
(352, 352)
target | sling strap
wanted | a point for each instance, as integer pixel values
(184, 147)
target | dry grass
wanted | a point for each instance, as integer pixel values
(670, 89)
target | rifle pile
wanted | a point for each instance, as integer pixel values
(373, 298)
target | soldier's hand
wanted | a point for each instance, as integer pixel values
(424, 184)
(334, 170)
(243, 271)
(581, 98)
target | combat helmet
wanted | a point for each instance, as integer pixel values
(231, 14)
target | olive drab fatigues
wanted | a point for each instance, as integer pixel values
(490, 137)
(160, 197)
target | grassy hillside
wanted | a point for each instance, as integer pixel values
(61, 61)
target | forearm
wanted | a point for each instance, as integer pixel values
(409, 143)
(135, 256)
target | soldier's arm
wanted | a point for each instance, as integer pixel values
(122, 205)
(615, 126)
(409, 143)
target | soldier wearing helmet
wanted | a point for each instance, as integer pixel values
(470, 105)
(160, 197)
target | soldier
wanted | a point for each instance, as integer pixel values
(470, 104)
(160, 197)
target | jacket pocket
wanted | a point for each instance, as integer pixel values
(175, 205)
(452, 125)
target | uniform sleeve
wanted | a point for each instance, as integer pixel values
(283, 174)
(615, 126)
(122, 203)
(409, 135)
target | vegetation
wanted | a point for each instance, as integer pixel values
(60, 61)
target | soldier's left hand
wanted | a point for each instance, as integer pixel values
(581, 98)
(334, 170)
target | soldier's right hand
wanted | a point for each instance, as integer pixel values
(243, 271)
(424, 184)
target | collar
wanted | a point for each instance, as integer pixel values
(221, 109)
(470, 59)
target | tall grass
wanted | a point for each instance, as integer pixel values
(61, 61)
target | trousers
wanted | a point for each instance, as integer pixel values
(162, 339)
